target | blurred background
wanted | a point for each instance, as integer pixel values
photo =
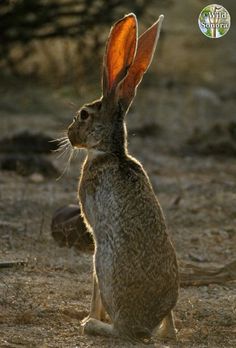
(51, 56)
(181, 126)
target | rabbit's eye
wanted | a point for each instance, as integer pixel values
(84, 114)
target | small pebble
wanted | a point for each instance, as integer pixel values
(36, 178)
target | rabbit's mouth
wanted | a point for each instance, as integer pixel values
(93, 146)
(88, 143)
(78, 145)
(74, 142)
(73, 138)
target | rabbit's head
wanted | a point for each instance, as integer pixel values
(100, 124)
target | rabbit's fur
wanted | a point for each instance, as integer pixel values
(135, 267)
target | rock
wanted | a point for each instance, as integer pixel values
(232, 130)
(27, 142)
(205, 94)
(219, 139)
(197, 258)
(68, 229)
(149, 130)
(28, 164)
(36, 178)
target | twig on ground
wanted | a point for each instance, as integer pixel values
(9, 264)
(192, 275)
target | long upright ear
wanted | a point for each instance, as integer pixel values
(119, 54)
(146, 48)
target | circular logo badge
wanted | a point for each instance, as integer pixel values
(214, 21)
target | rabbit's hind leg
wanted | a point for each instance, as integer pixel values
(97, 311)
(167, 329)
(97, 327)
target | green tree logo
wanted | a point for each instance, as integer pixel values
(214, 21)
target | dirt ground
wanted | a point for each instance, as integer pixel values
(42, 303)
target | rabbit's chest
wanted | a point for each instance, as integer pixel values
(99, 206)
(88, 202)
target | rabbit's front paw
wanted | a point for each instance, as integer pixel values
(88, 325)
(83, 321)
(96, 327)
(167, 330)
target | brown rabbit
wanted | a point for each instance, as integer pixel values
(135, 268)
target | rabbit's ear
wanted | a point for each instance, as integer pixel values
(119, 54)
(145, 50)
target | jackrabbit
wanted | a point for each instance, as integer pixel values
(135, 268)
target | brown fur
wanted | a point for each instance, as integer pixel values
(135, 267)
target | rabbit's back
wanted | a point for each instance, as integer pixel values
(135, 261)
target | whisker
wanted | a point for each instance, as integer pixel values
(77, 152)
(61, 147)
(64, 151)
(64, 142)
(58, 140)
(67, 164)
